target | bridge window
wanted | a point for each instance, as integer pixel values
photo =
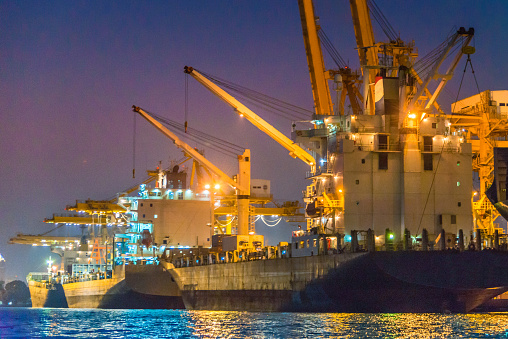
(383, 161)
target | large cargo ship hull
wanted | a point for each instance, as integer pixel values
(440, 281)
(115, 293)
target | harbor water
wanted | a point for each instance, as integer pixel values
(95, 323)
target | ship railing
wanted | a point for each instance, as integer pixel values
(377, 147)
(82, 278)
(323, 170)
(450, 148)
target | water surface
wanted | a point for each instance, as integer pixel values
(94, 323)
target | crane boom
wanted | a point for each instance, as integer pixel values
(367, 51)
(294, 150)
(189, 150)
(318, 74)
(434, 73)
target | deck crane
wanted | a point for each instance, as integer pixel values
(295, 151)
(395, 54)
(319, 76)
(367, 50)
(424, 105)
(242, 186)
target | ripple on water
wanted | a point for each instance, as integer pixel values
(93, 323)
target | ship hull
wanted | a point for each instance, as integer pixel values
(355, 282)
(115, 293)
(43, 296)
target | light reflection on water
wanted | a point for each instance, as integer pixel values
(91, 323)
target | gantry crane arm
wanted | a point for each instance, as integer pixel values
(193, 153)
(318, 74)
(294, 150)
(367, 51)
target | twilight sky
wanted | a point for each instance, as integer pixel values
(71, 70)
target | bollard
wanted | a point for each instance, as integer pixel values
(478, 240)
(425, 240)
(461, 240)
(371, 244)
(354, 241)
(407, 240)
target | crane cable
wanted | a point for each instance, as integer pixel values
(186, 99)
(332, 51)
(381, 20)
(134, 148)
(271, 104)
(219, 145)
(205, 139)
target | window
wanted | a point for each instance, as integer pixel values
(315, 243)
(151, 205)
(382, 140)
(141, 204)
(434, 125)
(358, 182)
(502, 104)
(427, 162)
(302, 245)
(383, 161)
(308, 243)
(427, 144)
(458, 183)
(155, 216)
(453, 219)
(363, 161)
(459, 204)
(458, 163)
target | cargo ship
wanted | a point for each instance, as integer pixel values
(392, 224)
(114, 263)
(103, 268)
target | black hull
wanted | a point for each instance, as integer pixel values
(121, 296)
(152, 287)
(415, 300)
(387, 282)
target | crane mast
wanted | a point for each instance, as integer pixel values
(242, 186)
(367, 50)
(318, 74)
